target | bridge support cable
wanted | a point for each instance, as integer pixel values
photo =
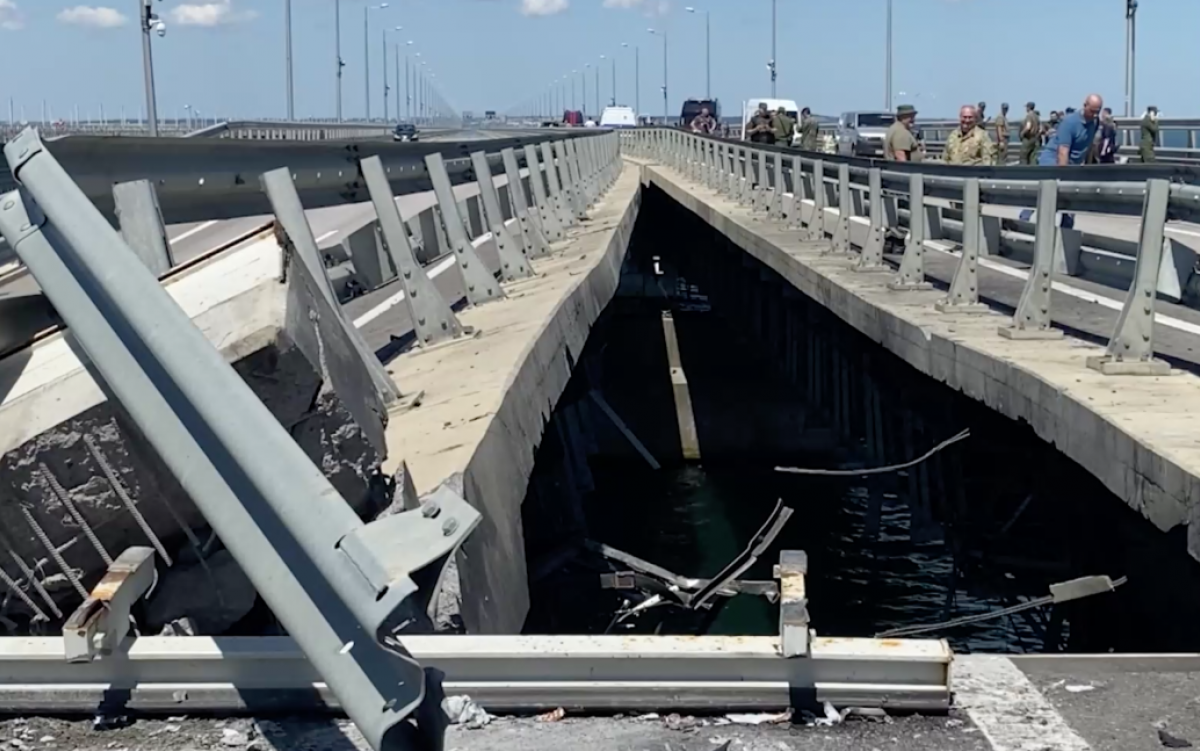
(342, 589)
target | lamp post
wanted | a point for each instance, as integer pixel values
(887, 72)
(614, 80)
(367, 52)
(663, 34)
(386, 84)
(573, 101)
(583, 80)
(598, 86)
(150, 22)
(337, 51)
(291, 91)
(1131, 7)
(707, 50)
(772, 64)
(637, 81)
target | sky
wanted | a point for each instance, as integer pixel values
(226, 57)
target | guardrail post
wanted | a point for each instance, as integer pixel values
(1068, 250)
(558, 196)
(730, 172)
(745, 188)
(912, 265)
(793, 603)
(544, 212)
(762, 184)
(433, 319)
(841, 233)
(142, 224)
(481, 285)
(816, 222)
(964, 289)
(991, 236)
(1032, 318)
(792, 205)
(337, 590)
(514, 264)
(531, 231)
(775, 209)
(1131, 348)
(295, 231)
(871, 258)
(580, 176)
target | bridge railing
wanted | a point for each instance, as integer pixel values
(868, 206)
(1178, 140)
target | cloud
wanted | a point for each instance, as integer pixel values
(216, 13)
(538, 7)
(98, 17)
(10, 16)
(649, 7)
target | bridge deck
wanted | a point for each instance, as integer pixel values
(1136, 434)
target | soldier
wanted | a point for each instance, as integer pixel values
(783, 126)
(969, 145)
(980, 116)
(810, 131)
(1149, 136)
(1000, 123)
(704, 122)
(1106, 138)
(1031, 134)
(899, 143)
(759, 128)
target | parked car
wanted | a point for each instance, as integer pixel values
(405, 132)
(861, 133)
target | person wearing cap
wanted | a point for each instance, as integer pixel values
(899, 143)
(1031, 133)
(783, 126)
(1000, 124)
(981, 115)
(1149, 136)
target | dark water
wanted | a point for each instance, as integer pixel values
(865, 575)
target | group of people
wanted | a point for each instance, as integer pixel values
(1088, 135)
(769, 127)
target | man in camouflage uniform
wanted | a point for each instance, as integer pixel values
(783, 126)
(969, 144)
(1031, 134)
(1149, 135)
(899, 143)
(759, 129)
(810, 131)
(1000, 123)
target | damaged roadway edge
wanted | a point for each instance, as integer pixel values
(488, 399)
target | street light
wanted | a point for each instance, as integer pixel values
(614, 78)
(707, 50)
(583, 77)
(771, 65)
(367, 51)
(637, 80)
(291, 92)
(337, 49)
(150, 22)
(386, 87)
(1131, 7)
(573, 100)
(663, 34)
(887, 74)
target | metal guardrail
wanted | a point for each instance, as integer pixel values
(343, 589)
(205, 179)
(830, 202)
(267, 130)
(1178, 141)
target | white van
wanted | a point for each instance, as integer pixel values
(750, 106)
(618, 117)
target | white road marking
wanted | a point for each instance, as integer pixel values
(194, 230)
(396, 299)
(1008, 709)
(1079, 294)
(326, 236)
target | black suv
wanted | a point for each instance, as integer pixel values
(405, 132)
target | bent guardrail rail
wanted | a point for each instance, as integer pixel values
(205, 179)
(788, 185)
(338, 586)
